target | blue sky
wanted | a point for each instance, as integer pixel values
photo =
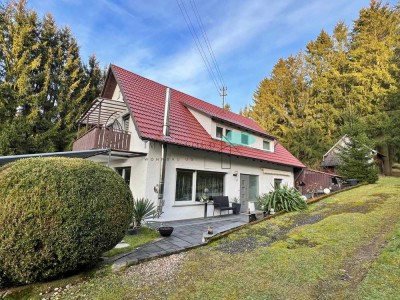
(151, 38)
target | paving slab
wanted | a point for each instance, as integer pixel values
(187, 234)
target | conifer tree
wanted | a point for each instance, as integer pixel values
(42, 77)
(357, 162)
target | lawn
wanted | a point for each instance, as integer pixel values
(145, 236)
(346, 246)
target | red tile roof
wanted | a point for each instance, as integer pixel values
(146, 99)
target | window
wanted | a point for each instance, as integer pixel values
(219, 132)
(184, 182)
(277, 183)
(245, 138)
(125, 173)
(253, 187)
(228, 134)
(266, 145)
(125, 122)
(212, 181)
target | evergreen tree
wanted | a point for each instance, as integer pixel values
(357, 162)
(345, 80)
(43, 78)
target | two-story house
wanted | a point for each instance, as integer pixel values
(173, 148)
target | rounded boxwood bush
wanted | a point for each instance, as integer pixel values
(58, 214)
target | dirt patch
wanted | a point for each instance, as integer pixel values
(294, 244)
(381, 196)
(351, 208)
(240, 245)
(273, 233)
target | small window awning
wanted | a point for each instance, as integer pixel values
(102, 111)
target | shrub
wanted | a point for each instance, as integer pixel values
(142, 208)
(58, 214)
(284, 198)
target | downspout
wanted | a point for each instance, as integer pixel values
(164, 152)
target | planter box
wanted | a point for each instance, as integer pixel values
(352, 182)
(236, 208)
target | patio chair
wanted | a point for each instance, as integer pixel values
(222, 203)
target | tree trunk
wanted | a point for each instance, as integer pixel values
(384, 150)
(391, 157)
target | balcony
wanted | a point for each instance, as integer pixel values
(101, 133)
(102, 138)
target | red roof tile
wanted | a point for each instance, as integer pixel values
(146, 99)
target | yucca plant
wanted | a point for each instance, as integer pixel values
(284, 198)
(142, 208)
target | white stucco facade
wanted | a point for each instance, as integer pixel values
(145, 169)
(145, 175)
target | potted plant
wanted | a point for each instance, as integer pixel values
(142, 208)
(165, 230)
(236, 205)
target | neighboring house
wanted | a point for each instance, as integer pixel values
(312, 182)
(331, 159)
(175, 149)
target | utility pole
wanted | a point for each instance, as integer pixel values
(223, 95)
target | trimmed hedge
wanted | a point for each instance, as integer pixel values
(58, 214)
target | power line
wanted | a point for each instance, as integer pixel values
(198, 43)
(207, 41)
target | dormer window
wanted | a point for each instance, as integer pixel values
(219, 132)
(267, 145)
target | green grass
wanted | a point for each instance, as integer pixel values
(146, 235)
(346, 246)
(32, 291)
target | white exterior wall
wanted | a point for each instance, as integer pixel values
(211, 127)
(145, 175)
(186, 158)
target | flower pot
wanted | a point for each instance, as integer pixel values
(134, 230)
(236, 208)
(165, 231)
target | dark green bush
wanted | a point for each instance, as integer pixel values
(58, 214)
(284, 198)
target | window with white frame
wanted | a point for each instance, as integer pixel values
(219, 132)
(267, 145)
(184, 185)
(125, 173)
(277, 183)
(206, 183)
(211, 182)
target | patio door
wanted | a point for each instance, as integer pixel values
(248, 190)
